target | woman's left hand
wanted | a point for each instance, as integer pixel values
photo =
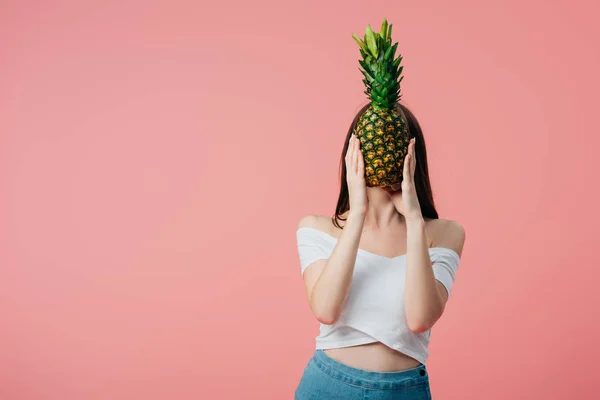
(406, 200)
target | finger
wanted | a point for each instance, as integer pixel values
(361, 161)
(349, 149)
(406, 167)
(350, 142)
(413, 160)
(355, 155)
(349, 152)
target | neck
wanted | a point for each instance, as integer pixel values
(381, 213)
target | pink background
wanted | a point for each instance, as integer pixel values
(155, 158)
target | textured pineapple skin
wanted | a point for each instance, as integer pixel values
(384, 139)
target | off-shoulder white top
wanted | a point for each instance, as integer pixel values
(374, 308)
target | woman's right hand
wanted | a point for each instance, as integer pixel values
(355, 177)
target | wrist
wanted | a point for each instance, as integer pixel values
(414, 219)
(358, 215)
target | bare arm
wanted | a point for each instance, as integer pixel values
(327, 282)
(425, 297)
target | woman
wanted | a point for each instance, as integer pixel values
(378, 282)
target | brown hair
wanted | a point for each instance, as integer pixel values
(422, 184)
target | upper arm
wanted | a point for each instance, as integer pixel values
(442, 291)
(313, 258)
(448, 234)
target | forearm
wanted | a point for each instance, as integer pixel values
(333, 285)
(422, 302)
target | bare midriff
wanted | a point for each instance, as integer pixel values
(373, 357)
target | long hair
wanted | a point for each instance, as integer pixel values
(422, 184)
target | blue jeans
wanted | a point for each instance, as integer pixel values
(327, 379)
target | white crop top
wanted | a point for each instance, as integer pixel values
(374, 308)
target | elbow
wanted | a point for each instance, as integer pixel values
(327, 320)
(326, 311)
(418, 328)
(419, 322)
(326, 317)
(417, 325)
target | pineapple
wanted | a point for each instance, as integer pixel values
(382, 128)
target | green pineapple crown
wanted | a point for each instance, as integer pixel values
(381, 70)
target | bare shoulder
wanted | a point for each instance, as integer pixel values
(447, 233)
(320, 222)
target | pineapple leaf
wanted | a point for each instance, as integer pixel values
(389, 33)
(391, 52)
(367, 76)
(363, 45)
(399, 72)
(388, 53)
(371, 43)
(364, 64)
(383, 30)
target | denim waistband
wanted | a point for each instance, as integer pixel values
(369, 379)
